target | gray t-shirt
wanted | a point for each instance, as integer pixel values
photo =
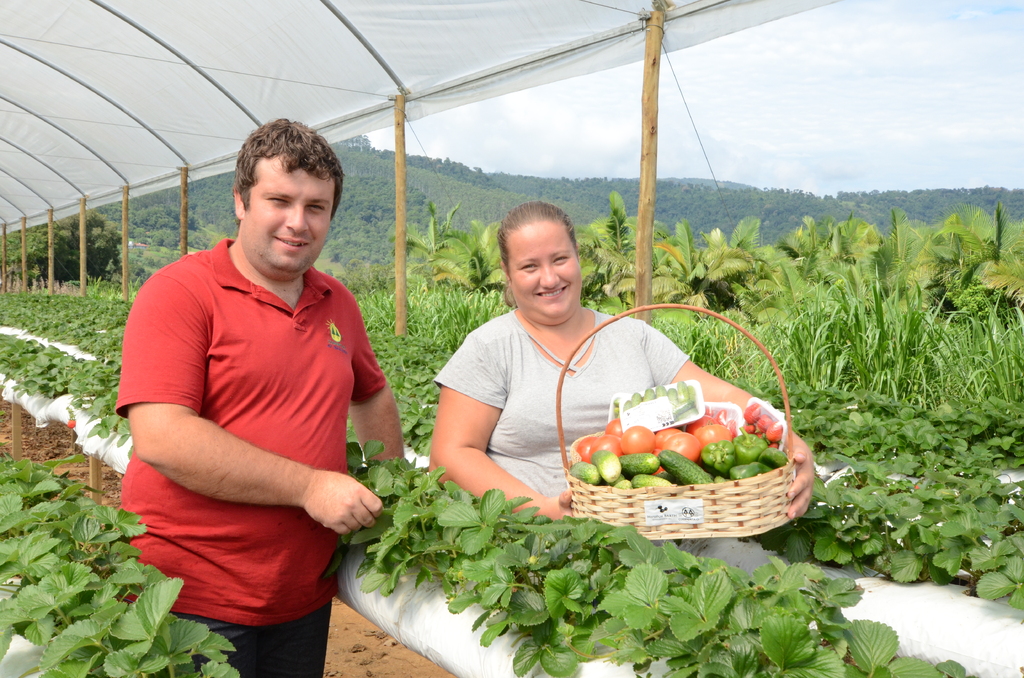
(500, 365)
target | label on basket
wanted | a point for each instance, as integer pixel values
(674, 511)
(655, 415)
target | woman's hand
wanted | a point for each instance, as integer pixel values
(803, 483)
(555, 507)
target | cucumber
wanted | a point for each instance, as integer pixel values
(682, 469)
(608, 466)
(586, 472)
(660, 392)
(623, 485)
(635, 464)
(648, 395)
(644, 480)
(673, 397)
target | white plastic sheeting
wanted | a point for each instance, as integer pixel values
(97, 94)
(934, 623)
(60, 410)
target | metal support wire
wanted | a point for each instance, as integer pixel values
(701, 143)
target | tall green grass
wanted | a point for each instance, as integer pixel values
(894, 345)
(443, 316)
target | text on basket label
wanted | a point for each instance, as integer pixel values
(674, 511)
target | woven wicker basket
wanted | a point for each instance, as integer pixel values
(734, 508)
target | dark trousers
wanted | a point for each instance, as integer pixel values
(295, 649)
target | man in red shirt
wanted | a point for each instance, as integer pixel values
(240, 367)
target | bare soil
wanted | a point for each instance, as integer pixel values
(355, 646)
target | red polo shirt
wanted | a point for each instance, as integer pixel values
(201, 335)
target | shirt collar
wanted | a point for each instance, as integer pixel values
(227, 275)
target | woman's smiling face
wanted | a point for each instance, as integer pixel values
(543, 272)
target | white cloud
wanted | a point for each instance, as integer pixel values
(859, 95)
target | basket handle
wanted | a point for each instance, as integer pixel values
(650, 307)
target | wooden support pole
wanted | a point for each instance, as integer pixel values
(648, 161)
(124, 242)
(24, 254)
(401, 303)
(83, 278)
(49, 251)
(184, 211)
(16, 448)
(3, 261)
(96, 479)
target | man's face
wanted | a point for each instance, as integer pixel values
(283, 229)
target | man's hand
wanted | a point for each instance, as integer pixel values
(340, 502)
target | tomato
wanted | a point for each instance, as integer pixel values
(712, 433)
(614, 428)
(584, 448)
(700, 423)
(685, 444)
(607, 442)
(637, 439)
(664, 434)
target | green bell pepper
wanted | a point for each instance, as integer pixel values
(748, 448)
(720, 456)
(741, 471)
(773, 457)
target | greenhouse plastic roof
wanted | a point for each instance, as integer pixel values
(97, 94)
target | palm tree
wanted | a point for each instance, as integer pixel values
(470, 259)
(427, 245)
(971, 252)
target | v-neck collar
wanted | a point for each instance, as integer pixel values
(575, 368)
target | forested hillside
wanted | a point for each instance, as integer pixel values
(364, 223)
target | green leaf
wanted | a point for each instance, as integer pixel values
(459, 515)
(366, 534)
(474, 539)
(40, 631)
(128, 626)
(85, 529)
(908, 667)
(381, 480)
(906, 566)
(493, 631)
(76, 635)
(686, 622)
(526, 657)
(218, 670)
(993, 585)
(491, 505)
(186, 634)
(155, 603)
(786, 641)
(646, 584)
(6, 634)
(121, 663)
(562, 588)
(824, 664)
(558, 661)
(952, 669)
(872, 644)
(373, 448)
(527, 608)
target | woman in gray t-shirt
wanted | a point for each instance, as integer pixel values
(495, 423)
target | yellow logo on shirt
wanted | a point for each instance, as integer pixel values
(335, 332)
(336, 342)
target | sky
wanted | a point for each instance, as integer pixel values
(859, 95)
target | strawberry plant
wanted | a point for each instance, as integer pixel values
(579, 590)
(77, 589)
